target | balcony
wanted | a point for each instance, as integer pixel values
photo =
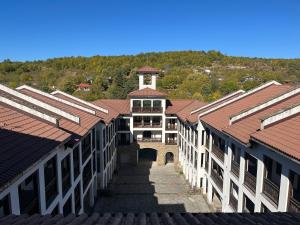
(218, 152)
(250, 181)
(271, 190)
(233, 202)
(147, 109)
(146, 125)
(235, 168)
(217, 179)
(171, 126)
(144, 139)
(294, 205)
(123, 128)
(171, 142)
(206, 166)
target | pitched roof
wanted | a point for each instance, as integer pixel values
(283, 136)
(121, 106)
(24, 140)
(106, 117)
(243, 128)
(219, 118)
(87, 120)
(148, 69)
(83, 85)
(278, 218)
(147, 92)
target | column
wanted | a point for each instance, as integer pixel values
(284, 189)
(241, 181)
(42, 194)
(259, 182)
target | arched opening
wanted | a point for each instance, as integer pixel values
(169, 158)
(147, 154)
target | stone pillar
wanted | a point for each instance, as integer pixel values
(14, 199)
(209, 193)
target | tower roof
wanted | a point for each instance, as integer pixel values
(147, 92)
(148, 70)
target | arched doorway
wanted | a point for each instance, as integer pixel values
(169, 158)
(147, 154)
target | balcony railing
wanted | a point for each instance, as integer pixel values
(235, 168)
(147, 109)
(149, 139)
(294, 205)
(146, 125)
(218, 152)
(123, 128)
(271, 190)
(233, 202)
(250, 181)
(171, 142)
(217, 179)
(171, 127)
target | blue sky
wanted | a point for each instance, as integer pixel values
(41, 29)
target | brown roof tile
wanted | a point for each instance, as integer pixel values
(146, 92)
(24, 140)
(87, 120)
(242, 129)
(148, 69)
(283, 136)
(219, 119)
(122, 106)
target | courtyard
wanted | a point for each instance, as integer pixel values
(148, 187)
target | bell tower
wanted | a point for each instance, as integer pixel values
(147, 77)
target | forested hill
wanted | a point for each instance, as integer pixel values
(186, 74)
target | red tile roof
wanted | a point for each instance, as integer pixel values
(87, 120)
(283, 136)
(83, 85)
(147, 92)
(121, 106)
(24, 140)
(148, 69)
(243, 128)
(219, 119)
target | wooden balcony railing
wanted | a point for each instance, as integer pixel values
(271, 190)
(233, 202)
(123, 128)
(217, 179)
(218, 152)
(171, 127)
(149, 139)
(250, 181)
(147, 125)
(171, 142)
(235, 168)
(294, 205)
(147, 109)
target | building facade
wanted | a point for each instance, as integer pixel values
(241, 151)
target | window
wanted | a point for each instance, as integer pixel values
(50, 172)
(94, 162)
(68, 206)
(86, 147)
(65, 174)
(147, 104)
(235, 153)
(87, 174)
(93, 138)
(157, 104)
(103, 138)
(147, 79)
(77, 196)
(248, 205)
(29, 195)
(4, 206)
(202, 137)
(251, 164)
(76, 162)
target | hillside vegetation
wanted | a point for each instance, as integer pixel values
(186, 74)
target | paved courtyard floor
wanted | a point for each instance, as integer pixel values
(150, 188)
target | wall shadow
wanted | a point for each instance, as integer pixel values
(135, 189)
